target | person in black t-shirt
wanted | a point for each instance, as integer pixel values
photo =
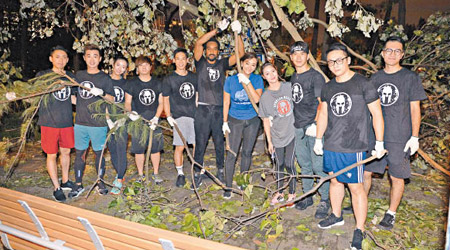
(88, 128)
(400, 91)
(180, 93)
(211, 77)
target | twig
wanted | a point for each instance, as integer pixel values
(434, 164)
(147, 157)
(36, 94)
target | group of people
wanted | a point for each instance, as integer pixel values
(324, 126)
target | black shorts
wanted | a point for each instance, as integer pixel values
(397, 160)
(137, 147)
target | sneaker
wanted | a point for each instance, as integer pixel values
(277, 198)
(157, 178)
(358, 237)
(141, 179)
(76, 191)
(387, 223)
(289, 202)
(331, 221)
(322, 209)
(221, 175)
(101, 188)
(227, 195)
(304, 204)
(347, 210)
(198, 181)
(67, 186)
(181, 180)
(117, 187)
(58, 195)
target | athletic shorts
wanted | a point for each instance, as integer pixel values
(137, 147)
(186, 126)
(334, 162)
(84, 134)
(397, 160)
(54, 138)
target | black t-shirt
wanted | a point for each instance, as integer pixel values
(57, 111)
(119, 90)
(396, 91)
(210, 80)
(348, 114)
(145, 96)
(84, 98)
(306, 88)
(181, 90)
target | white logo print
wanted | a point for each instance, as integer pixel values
(388, 93)
(241, 96)
(119, 94)
(147, 96)
(297, 93)
(341, 104)
(62, 95)
(187, 90)
(213, 74)
(84, 93)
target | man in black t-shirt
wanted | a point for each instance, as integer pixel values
(87, 128)
(347, 102)
(211, 77)
(400, 91)
(180, 93)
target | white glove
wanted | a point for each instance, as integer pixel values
(236, 26)
(225, 128)
(171, 121)
(271, 121)
(96, 91)
(243, 79)
(133, 116)
(223, 25)
(311, 130)
(154, 122)
(110, 124)
(10, 96)
(379, 148)
(412, 144)
(318, 147)
(119, 123)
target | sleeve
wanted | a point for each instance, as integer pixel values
(258, 84)
(194, 81)
(199, 62)
(166, 89)
(263, 103)
(416, 91)
(109, 89)
(369, 92)
(323, 94)
(319, 82)
(226, 86)
(226, 63)
(129, 87)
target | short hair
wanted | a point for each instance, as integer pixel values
(299, 46)
(213, 39)
(58, 47)
(178, 50)
(265, 65)
(91, 46)
(143, 59)
(119, 57)
(337, 46)
(250, 55)
(395, 39)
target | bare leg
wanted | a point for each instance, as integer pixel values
(367, 182)
(178, 156)
(398, 186)
(52, 170)
(337, 192)
(359, 201)
(140, 158)
(155, 158)
(64, 158)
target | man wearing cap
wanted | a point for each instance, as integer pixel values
(179, 93)
(210, 79)
(307, 85)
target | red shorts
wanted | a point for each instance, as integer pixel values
(53, 138)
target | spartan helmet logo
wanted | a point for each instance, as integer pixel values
(341, 103)
(62, 95)
(187, 90)
(119, 94)
(388, 93)
(147, 96)
(85, 94)
(297, 93)
(213, 74)
(283, 107)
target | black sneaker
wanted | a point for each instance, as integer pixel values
(305, 203)
(331, 221)
(227, 195)
(221, 175)
(198, 179)
(387, 223)
(101, 188)
(67, 186)
(322, 210)
(181, 180)
(58, 195)
(358, 237)
(76, 191)
(347, 210)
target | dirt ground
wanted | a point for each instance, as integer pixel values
(426, 197)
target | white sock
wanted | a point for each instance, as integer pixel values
(180, 170)
(390, 212)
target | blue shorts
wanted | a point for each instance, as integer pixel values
(334, 162)
(84, 134)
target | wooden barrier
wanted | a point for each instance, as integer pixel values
(61, 222)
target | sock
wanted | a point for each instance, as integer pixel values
(390, 212)
(180, 170)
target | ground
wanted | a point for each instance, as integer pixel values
(421, 218)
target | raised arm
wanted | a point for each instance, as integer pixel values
(233, 59)
(198, 48)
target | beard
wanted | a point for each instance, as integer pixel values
(212, 57)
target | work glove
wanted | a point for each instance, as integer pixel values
(243, 79)
(171, 121)
(119, 123)
(10, 96)
(96, 91)
(236, 26)
(225, 128)
(154, 122)
(110, 124)
(379, 148)
(412, 144)
(311, 130)
(318, 147)
(223, 25)
(133, 116)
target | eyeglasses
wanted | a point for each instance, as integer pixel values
(397, 52)
(337, 61)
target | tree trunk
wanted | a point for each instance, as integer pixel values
(316, 29)
(387, 15)
(402, 12)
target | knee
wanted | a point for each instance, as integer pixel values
(80, 154)
(64, 151)
(51, 156)
(397, 181)
(367, 175)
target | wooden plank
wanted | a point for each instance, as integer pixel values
(20, 244)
